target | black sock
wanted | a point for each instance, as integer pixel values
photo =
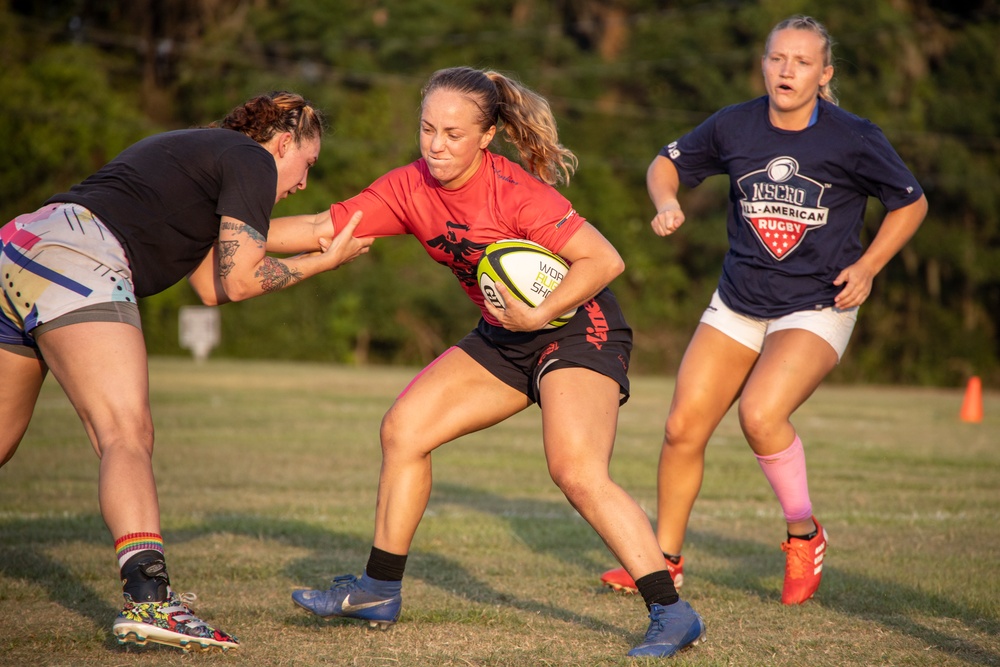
(804, 537)
(676, 560)
(144, 577)
(657, 588)
(385, 566)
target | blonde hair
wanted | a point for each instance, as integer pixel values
(527, 120)
(264, 116)
(826, 91)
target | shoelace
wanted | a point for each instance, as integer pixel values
(654, 630)
(656, 627)
(344, 581)
(797, 560)
(188, 598)
(181, 612)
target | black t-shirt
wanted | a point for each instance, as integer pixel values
(163, 198)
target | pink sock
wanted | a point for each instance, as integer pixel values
(786, 471)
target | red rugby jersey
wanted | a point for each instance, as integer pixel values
(501, 201)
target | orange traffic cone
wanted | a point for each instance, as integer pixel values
(972, 406)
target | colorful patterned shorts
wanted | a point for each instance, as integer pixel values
(60, 265)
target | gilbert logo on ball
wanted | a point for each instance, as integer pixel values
(527, 269)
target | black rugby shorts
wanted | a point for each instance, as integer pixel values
(597, 337)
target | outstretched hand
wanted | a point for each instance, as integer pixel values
(344, 247)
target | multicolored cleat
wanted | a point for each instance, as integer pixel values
(169, 622)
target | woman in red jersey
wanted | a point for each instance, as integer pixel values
(456, 200)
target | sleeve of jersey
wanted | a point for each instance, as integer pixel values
(546, 217)
(695, 154)
(249, 185)
(382, 213)
(882, 173)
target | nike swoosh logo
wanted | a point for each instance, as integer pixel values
(347, 607)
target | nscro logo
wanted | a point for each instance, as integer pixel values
(781, 206)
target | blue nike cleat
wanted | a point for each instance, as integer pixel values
(351, 597)
(671, 629)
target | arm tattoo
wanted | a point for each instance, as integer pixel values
(275, 275)
(243, 228)
(227, 251)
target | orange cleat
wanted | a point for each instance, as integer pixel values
(620, 580)
(803, 566)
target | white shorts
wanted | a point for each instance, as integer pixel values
(832, 324)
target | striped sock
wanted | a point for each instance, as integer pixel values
(127, 546)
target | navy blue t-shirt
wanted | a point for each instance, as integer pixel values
(163, 198)
(797, 200)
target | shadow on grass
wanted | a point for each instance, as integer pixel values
(23, 546)
(889, 605)
(22, 556)
(752, 569)
(546, 527)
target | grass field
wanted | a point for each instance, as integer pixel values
(267, 476)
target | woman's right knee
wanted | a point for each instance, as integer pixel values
(685, 430)
(401, 436)
(127, 434)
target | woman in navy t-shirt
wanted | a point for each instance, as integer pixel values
(801, 171)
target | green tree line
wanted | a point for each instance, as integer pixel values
(82, 79)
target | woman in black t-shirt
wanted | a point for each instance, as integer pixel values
(192, 203)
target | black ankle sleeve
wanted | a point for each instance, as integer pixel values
(145, 578)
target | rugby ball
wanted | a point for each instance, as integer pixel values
(527, 269)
